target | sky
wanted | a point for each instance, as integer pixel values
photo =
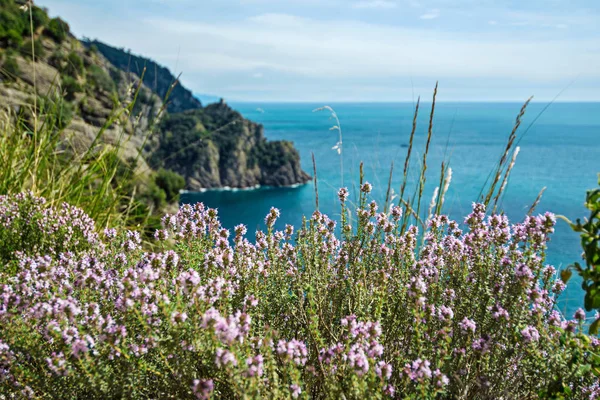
(358, 50)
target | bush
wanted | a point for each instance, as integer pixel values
(74, 66)
(29, 226)
(590, 242)
(39, 17)
(171, 182)
(10, 68)
(99, 79)
(354, 312)
(12, 28)
(70, 87)
(38, 48)
(57, 30)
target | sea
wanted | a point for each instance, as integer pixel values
(559, 151)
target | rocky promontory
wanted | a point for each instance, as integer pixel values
(215, 147)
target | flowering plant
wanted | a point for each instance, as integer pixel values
(351, 311)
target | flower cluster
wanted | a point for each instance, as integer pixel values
(360, 311)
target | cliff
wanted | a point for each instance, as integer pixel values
(90, 80)
(155, 76)
(216, 147)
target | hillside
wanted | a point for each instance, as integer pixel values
(90, 80)
(156, 77)
(216, 147)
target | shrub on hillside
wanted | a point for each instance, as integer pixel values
(28, 51)
(74, 65)
(12, 28)
(70, 86)
(354, 311)
(99, 79)
(171, 182)
(10, 69)
(30, 226)
(57, 30)
(39, 18)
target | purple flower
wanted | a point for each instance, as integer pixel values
(343, 194)
(223, 358)
(203, 388)
(294, 351)
(418, 370)
(580, 314)
(468, 325)
(383, 370)
(530, 334)
(296, 391)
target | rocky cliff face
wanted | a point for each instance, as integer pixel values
(211, 147)
(219, 148)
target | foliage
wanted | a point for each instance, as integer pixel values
(158, 78)
(28, 51)
(70, 87)
(16, 23)
(590, 242)
(319, 314)
(171, 183)
(74, 65)
(99, 79)
(31, 227)
(37, 155)
(57, 30)
(39, 18)
(10, 68)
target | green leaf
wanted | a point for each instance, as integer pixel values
(595, 327)
(566, 274)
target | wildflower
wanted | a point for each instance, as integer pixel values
(580, 314)
(272, 217)
(296, 391)
(223, 358)
(468, 325)
(530, 334)
(343, 194)
(441, 380)
(418, 370)
(255, 366)
(559, 286)
(366, 188)
(202, 388)
(383, 370)
(293, 350)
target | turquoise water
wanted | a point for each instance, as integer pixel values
(560, 151)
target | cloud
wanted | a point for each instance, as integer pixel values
(383, 4)
(334, 55)
(297, 46)
(433, 14)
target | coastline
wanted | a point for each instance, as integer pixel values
(244, 189)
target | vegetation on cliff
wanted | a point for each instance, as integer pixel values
(87, 110)
(215, 147)
(97, 80)
(156, 77)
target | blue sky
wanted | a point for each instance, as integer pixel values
(358, 50)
